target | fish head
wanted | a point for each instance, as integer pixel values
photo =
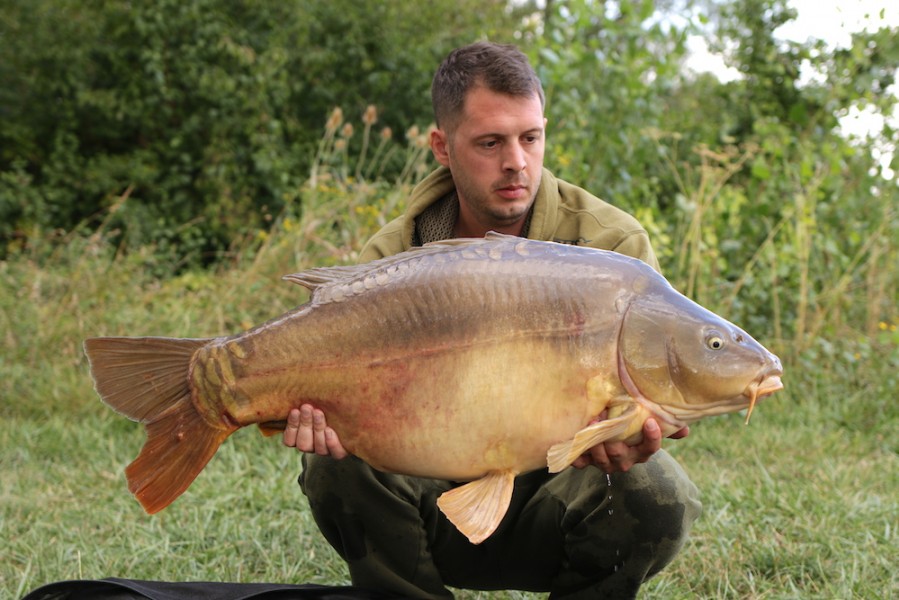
(691, 362)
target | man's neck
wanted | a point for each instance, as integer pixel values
(476, 230)
(469, 225)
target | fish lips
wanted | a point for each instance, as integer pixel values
(766, 385)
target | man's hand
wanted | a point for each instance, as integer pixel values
(613, 457)
(308, 431)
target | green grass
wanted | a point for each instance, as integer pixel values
(803, 502)
(796, 506)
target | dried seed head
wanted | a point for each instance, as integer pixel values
(347, 131)
(386, 134)
(335, 119)
(371, 115)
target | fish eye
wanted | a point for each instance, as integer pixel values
(714, 341)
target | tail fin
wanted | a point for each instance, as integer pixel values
(147, 380)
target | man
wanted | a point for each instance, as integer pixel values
(585, 532)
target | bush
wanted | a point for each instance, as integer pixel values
(203, 116)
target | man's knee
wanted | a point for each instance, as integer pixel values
(319, 475)
(663, 504)
(662, 499)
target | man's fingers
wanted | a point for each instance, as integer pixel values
(293, 426)
(599, 454)
(335, 448)
(304, 434)
(618, 457)
(652, 441)
(319, 445)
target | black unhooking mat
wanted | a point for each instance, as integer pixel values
(131, 589)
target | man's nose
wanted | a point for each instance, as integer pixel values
(514, 158)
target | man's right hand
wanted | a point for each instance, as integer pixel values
(307, 431)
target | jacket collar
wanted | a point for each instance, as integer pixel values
(439, 183)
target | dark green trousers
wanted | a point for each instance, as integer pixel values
(576, 534)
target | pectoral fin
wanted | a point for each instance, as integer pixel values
(561, 455)
(477, 508)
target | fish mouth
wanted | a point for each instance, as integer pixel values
(765, 386)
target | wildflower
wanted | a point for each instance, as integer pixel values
(386, 134)
(347, 131)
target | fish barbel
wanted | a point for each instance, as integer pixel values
(467, 360)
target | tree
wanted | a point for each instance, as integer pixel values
(206, 112)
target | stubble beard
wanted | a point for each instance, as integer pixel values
(505, 213)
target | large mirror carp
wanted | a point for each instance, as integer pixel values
(466, 360)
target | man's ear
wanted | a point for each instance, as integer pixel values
(440, 146)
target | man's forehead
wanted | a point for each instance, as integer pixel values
(483, 107)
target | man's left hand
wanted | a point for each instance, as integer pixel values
(614, 457)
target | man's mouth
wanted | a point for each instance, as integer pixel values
(512, 192)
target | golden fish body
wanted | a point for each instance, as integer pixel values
(470, 360)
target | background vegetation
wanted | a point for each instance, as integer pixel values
(162, 164)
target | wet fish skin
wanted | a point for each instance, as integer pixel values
(469, 360)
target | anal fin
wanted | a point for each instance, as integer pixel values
(478, 507)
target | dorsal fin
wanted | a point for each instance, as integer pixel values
(311, 279)
(319, 277)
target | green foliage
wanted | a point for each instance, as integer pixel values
(196, 119)
(607, 69)
(757, 203)
(812, 204)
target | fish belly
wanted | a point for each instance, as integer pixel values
(455, 414)
(460, 414)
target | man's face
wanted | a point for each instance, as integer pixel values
(495, 154)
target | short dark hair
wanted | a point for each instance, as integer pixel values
(501, 68)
